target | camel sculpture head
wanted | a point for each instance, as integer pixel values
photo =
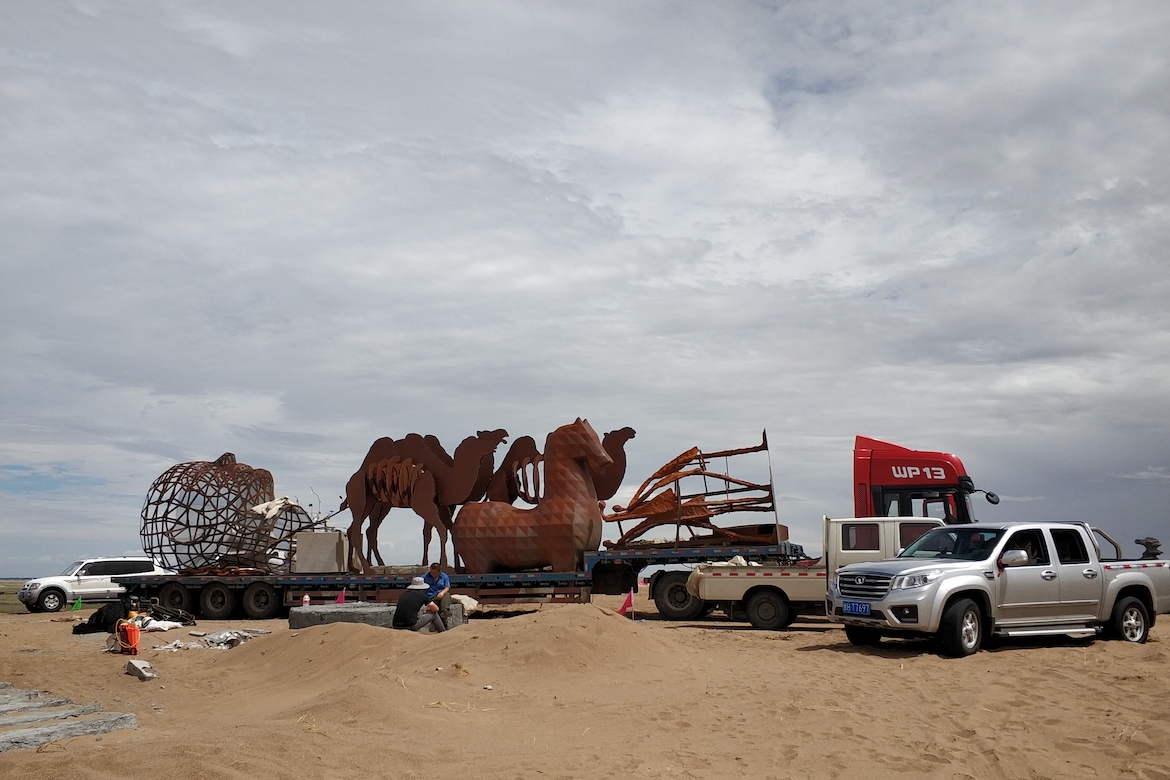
(578, 440)
(492, 439)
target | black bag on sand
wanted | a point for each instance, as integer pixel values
(105, 619)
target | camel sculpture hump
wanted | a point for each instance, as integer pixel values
(487, 463)
(456, 481)
(493, 535)
(437, 448)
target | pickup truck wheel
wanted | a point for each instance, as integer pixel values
(767, 610)
(673, 600)
(260, 602)
(216, 601)
(961, 631)
(51, 601)
(862, 636)
(1130, 621)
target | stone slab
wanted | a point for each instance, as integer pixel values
(52, 718)
(35, 737)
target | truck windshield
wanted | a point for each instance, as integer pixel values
(965, 544)
(71, 568)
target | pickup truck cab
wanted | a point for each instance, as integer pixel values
(960, 584)
(90, 579)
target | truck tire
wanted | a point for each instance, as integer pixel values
(961, 631)
(260, 601)
(673, 600)
(52, 600)
(863, 636)
(1130, 621)
(216, 601)
(767, 610)
(175, 596)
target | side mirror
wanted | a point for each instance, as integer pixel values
(992, 498)
(900, 551)
(1013, 558)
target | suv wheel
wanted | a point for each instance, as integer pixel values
(52, 600)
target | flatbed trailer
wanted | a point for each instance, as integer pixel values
(606, 572)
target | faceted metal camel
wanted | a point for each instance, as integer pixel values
(493, 535)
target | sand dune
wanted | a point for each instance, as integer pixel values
(576, 691)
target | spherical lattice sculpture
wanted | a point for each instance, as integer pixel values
(200, 515)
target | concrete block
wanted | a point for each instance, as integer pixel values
(319, 552)
(141, 669)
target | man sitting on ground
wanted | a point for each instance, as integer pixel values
(415, 611)
(439, 590)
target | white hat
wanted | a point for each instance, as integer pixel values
(418, 583)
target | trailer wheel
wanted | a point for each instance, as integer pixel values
(175, 596)
(961, 631)
(260, 601)
(216, 601)
(767, 610)
(1130, 621)
(673, 600)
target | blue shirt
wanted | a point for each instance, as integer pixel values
(437, 585)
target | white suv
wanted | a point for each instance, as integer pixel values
(88, 580)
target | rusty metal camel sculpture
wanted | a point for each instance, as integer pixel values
(511, 481)
(416, 472)
(493, 535)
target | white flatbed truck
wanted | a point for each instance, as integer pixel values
(773, 595)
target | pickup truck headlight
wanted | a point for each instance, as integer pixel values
(906, 581)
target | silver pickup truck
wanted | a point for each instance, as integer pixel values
(963, 583)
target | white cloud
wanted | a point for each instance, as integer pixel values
(285, 230)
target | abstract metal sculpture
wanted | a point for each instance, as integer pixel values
(662, 501)
(492, 535)
(200, 514)
(416, 472)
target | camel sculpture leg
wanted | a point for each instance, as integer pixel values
(355, 496)
(424, 503)
(376, 518)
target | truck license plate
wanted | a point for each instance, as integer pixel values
(855, 607)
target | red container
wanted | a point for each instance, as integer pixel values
(128, 638)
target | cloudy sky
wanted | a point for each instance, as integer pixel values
(284, 229)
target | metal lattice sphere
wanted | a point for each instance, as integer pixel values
(200, 515)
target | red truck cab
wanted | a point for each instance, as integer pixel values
(894, 481)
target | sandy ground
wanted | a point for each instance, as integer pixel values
(576, 691)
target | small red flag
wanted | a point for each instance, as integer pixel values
(629, 602)
(340, 597)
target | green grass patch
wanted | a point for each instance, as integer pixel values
(8, 602)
